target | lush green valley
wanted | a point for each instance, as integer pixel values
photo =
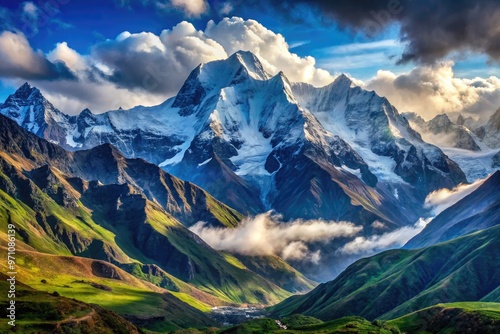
(398, 282)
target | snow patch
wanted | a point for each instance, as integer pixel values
(476, 165)
(204, 162)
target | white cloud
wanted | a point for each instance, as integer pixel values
(266, 234)
(294, 45)
(376, 243)
(355, 61)
(432, 90)
(358, 55)
(93, 92)
(378, 225)
(298, 251)
(440, 200)
(30, 9)
(158, 64)
(362, 47)
(70, 57)
(191, 7)
(226, 8)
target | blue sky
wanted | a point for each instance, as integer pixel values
(83, 24)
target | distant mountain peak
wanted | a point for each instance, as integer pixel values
(342, 80)
(25, 87)
(31, 110)
(441, 120)
(86, 112)
(26, 92)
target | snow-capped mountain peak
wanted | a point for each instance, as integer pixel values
(25, 95)
(29, 108)
(238, 67)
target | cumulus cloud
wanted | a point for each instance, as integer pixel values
(440, 200)
(191, 7)
(380, 242)
(266, 234)
(432, 90)
(63, 53)
(89, 91)
(19, 60)
(158, 64)
(379, 225)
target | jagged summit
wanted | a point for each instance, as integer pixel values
(25, 88)
(24, 93)
(88, 112)
(440, 123)
(238, 67)
(252, 64)
(342, 80)
(30, 109)
(442, 131)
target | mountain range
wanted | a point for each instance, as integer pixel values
(258, 142)
(244, 135)
(103, 205)
(475, 148)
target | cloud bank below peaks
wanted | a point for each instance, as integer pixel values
(440, 200)
(366, 246)
(266, 234)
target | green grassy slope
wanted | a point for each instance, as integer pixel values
(473, 317)
(114, 223)
(398, 282)
(279, 272)
(95, 282)
(41, 312)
